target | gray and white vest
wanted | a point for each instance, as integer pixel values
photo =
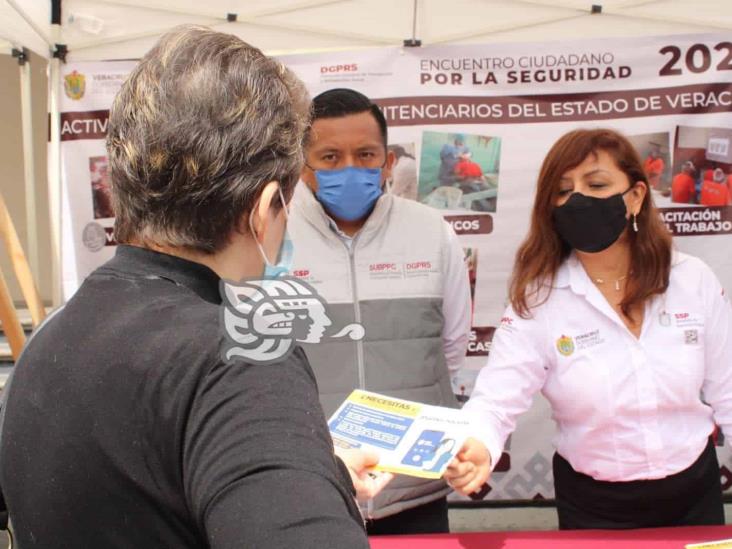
(390, 280)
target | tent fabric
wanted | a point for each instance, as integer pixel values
(17, 32)
(125, 29)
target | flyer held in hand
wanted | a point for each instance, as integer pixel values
(411, 438)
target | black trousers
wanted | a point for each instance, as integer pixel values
(430, 518)
(690, 497)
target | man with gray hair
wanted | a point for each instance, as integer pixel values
(124, 426)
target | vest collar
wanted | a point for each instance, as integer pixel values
(305, 202)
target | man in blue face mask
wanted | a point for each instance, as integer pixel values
(391, 264)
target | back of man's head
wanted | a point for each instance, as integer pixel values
(342, 102)
(201, 125)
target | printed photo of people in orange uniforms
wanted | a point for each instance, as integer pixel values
(702, 167)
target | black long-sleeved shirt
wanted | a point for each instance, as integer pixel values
(124, 428)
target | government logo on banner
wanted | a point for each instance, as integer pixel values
(74, 85)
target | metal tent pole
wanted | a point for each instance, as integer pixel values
(54, 155)
(26, 108)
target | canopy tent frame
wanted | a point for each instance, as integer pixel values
(26, 112)
(21, 53)
(57, 40)
(209, 16)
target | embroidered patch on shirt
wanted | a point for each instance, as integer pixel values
(565, 345)
(385, 270)
(589, 340)
(507, 324)
(691, 337)
(684, 320)
(419, 268)
(307, 275)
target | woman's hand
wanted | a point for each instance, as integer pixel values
(470, 469)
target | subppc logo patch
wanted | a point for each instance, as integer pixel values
(565, 345)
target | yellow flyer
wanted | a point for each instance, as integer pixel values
(721, 544)
(411, 438)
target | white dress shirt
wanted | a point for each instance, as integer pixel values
(626, 408)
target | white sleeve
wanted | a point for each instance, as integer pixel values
(455, 304)
(717, 386)
(506, 385)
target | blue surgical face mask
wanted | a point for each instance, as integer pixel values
(283, 263)
(284, 259)
(348, 193)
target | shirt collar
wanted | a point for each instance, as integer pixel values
(334, 227)
(572, 275)
(306, 202)
(151, 264)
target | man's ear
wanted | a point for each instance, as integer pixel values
(262, 213)
(389, 164)
(308, 177)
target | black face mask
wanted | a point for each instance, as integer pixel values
(591, 224)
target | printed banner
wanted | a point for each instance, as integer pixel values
(87, 237)
(469, 127)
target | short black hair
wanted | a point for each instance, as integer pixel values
(343, 102)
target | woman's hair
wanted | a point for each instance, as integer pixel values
(543, 250)
(201, 125)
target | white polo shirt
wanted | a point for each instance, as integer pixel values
(626, 408)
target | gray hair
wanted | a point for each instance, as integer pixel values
(199, 127)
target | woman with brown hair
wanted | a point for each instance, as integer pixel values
(622, 335)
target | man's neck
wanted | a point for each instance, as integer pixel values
(350, 228)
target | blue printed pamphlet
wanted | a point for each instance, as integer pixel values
(411, 438)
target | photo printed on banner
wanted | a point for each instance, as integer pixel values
(702, 166)
(654, 152)
(404, 171)
(459, 171)
(700, 201)
(99, 176)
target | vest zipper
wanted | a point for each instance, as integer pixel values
(356, 312)
(359, 344)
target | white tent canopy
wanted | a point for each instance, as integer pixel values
(124, 29)
(17, 21)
